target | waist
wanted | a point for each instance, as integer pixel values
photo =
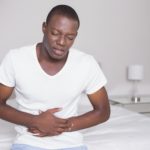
(64, 140)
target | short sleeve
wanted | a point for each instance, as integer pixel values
(96, 78)
(7, 71)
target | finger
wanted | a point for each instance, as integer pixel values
(57, 133)
(30, 129)
(40, 134)
(60, 125)
(61, 121)
(60, 130)
(36, 134)
(54, 110)
(35, 131)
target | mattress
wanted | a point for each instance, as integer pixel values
(125, 130)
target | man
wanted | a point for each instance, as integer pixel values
(49, 79)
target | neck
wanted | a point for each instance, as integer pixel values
(44, 56)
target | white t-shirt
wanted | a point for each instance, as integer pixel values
(36, 90)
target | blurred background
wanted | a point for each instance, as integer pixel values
(115, 32)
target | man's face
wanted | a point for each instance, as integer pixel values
(59, 36)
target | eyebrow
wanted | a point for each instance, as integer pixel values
(71, 34)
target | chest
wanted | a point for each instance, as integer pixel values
(55, 90)
(51, 68)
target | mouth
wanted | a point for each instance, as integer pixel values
(59, 52)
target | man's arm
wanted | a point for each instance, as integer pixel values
(99, 114)
(46, 122)
(9, 113)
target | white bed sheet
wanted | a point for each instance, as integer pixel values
(125, 130)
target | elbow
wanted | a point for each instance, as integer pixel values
(106, 111)
(107, 115)
(104, 114)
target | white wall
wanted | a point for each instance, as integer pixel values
(116, 32)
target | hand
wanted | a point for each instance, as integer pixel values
(47, 124)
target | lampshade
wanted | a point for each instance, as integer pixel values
(135, 72)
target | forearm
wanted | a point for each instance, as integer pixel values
(99, 114)
(44, 124)
(87, 120)
(12, 115)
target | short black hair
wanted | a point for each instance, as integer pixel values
(64, 10)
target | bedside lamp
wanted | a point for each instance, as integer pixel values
(135, 74)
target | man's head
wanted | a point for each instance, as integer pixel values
(60, 31)
(63, 10)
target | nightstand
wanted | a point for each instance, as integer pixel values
(142, 106)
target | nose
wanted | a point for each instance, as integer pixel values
(61, 41)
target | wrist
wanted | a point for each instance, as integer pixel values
(71, 125)
(33, 122)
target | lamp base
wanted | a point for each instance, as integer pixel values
(135, 99)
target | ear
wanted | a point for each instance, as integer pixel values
(44, 26)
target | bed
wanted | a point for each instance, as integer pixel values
(125, 130)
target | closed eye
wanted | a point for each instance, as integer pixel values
(71, 37)
(55, 33)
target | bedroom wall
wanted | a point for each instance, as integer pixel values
(116, 32)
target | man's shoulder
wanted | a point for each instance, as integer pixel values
(24, 50)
